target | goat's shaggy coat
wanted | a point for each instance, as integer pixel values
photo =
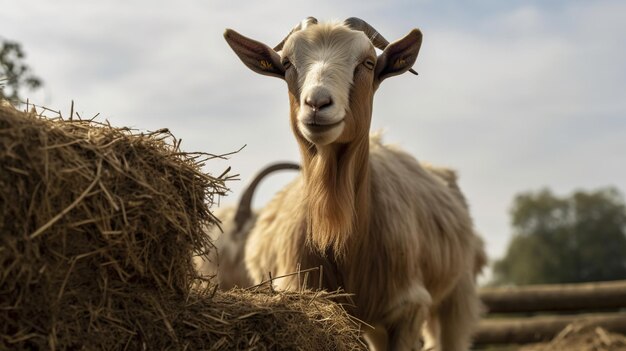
(394, 233)
(225, 260)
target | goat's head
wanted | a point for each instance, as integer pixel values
(332, 72)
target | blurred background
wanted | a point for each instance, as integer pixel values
(525, 99)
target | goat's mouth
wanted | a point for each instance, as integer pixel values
(320, 127)
(321, 134)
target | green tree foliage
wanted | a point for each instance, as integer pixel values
(14, 73)
(579, 238)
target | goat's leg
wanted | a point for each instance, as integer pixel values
(431, 332)
(376, 338)
(459, 314)
(404, 332)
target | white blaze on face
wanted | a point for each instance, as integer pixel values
(325, 57)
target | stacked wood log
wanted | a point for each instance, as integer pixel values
(529, 314)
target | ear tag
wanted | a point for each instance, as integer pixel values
(265, 65)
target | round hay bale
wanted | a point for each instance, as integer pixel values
(128, 207)
(98, 227)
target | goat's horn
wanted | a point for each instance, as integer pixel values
(378, 40)
(305, 22)
(244, 210)
(358, 24)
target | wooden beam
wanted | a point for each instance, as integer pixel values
(541, 328)
(558, 297)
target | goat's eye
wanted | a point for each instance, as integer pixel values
(369, 63)
(286, 63)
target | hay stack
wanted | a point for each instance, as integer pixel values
(97, 229)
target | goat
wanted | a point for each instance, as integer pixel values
(226, 261)
(381, 226)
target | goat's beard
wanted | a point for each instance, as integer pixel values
(331, 205)
(337, 192)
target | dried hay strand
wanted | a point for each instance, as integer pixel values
(263, 319)
(582, 336)
(98, 226)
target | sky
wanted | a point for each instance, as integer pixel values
(514, 95)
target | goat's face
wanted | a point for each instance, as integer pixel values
(332, 72)
(322, 63)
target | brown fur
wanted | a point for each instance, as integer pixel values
(383, 227)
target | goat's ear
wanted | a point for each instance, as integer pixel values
(256, 55)
(399, 56)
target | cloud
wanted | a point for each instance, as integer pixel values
(515, 95)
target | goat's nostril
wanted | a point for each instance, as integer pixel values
(326, 102)
(318, 103)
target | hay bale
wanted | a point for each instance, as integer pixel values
(261, 319)
(98, 226)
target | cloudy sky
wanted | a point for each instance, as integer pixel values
(515, 95)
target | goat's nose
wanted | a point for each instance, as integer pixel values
(318, 101)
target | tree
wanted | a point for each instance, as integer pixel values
(579, 238)
(14, 73)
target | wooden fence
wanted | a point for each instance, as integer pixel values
(519, 315)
